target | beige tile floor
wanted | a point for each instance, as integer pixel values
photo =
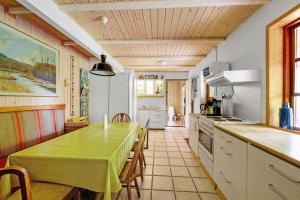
(172, 173)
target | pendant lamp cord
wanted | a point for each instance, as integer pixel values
(108, 96)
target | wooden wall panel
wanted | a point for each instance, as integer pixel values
(81, 61)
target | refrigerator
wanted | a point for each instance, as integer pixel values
(112, 95)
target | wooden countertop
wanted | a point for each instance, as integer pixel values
(280, 143)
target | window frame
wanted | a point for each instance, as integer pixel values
(289, 61)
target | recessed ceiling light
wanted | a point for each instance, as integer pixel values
(162, 62)
(103, 19)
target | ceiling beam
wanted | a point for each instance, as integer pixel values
(154, 4)
(162, 41)
(18, 10)
(160, 57)
(154, 41)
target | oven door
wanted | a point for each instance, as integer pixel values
(206, 142)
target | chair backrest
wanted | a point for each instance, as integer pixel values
(121, 117)
(147, 124)
(136, 154)
(23, 180)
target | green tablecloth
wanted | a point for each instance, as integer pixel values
(89, 158)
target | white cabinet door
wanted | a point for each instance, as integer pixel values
(230, 165)
(265, 183)
(194, 134)
(142, 117)
(158, 119)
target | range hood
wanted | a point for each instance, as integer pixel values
(235, 77)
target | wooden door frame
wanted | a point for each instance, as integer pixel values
(166, 89)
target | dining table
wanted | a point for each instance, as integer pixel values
(91, 158)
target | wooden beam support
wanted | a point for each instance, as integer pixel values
(18, 10)
(154, 4)
(154, 41)
(161, 41)
(69, 43)
(160, 57)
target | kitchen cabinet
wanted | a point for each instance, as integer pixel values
(194, 134)
(158, 118)
(230, 165)
(270, 177)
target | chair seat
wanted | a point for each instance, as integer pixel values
(45, 191)
(125, 171)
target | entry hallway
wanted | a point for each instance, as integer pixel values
(172, 173)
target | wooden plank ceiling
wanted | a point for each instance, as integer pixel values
(173, 24)
(170, 23)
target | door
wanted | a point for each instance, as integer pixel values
(176, 102)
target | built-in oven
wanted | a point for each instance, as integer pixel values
(206, 142)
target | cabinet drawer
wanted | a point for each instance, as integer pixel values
(281, 170)
(230, 143)
(232, 189)
(262, 185)
(230, 165)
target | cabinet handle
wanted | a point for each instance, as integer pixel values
(228, 141)
(225, 179)
(228, 154)
(276, 191)
(272, 167)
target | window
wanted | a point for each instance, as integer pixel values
(150, 87)
(292, 70)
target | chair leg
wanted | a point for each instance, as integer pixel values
(147, 143)
(141, 166)
(137, 188)
(129, 191)
(144, 159)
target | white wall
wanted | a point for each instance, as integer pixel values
(245, 48)
(159, 102)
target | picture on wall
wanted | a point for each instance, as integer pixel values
(27, 66)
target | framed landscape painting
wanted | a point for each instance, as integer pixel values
(27, 66)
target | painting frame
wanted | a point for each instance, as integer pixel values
(55, 84)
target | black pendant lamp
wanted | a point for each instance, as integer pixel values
(103, 68)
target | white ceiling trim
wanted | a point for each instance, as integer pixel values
(50, 12)
(136, 5)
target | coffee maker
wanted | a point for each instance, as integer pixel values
(211, 107)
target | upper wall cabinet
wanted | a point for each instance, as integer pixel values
(150, 87)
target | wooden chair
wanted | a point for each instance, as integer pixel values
(121, 117)
(131, 170)
(142, 160)
(147, 133)
(38, 190)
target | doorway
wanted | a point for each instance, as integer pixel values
(176, 102)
